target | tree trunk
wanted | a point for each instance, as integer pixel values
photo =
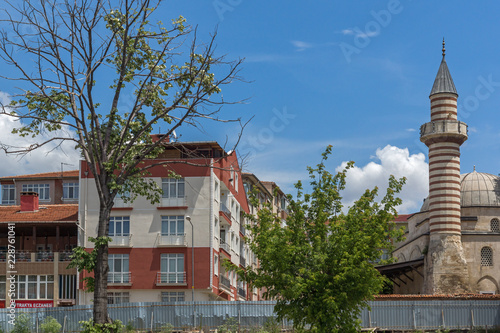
(102, 268)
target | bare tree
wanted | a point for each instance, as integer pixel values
(106, 75)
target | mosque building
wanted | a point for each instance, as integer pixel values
(452, 244)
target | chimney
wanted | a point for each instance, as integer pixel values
(29, 202)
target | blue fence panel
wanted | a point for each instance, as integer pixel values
(390, 315)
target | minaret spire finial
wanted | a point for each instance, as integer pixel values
(444, 50)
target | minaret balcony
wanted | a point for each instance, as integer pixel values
(443, 131)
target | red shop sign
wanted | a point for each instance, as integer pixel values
(28, 304)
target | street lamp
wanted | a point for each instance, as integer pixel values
(192, 264)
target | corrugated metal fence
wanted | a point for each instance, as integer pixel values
(395, 315)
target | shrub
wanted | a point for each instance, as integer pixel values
(88, 326)
(22, 324)
(50, 325)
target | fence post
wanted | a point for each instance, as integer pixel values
(152, 318)
(64, 324)
(239, 316)
(414, 320)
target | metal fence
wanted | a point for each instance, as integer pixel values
(389, 315)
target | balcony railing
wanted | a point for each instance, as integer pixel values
(224, 281)
(174, 202)
(120, 240)
(172, 240)
(120, 203)
(225, 210)
(119, 277)
(163, 278)
(23, 256)
(242, 292)
(225, 246)
(65, 255)
(45, 256)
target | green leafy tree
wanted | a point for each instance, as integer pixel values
(319, 265)
(103, 75)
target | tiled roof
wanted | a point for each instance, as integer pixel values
(402, 217)
(57, 174)
(49, 213)
(397, 297)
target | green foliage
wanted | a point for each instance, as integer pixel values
(272, 326)
(88, 326)
(86, 261)
(230, 326)
(50, 325)
(22, 324)
(167, 328)
(129, 328)
(319, 266)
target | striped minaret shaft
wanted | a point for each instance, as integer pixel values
(444, 135)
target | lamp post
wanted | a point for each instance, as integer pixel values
(188, 218)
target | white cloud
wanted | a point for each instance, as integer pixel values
(411, 130)
(360, 34)
(391, 161)
(300, 45)
(47, 158)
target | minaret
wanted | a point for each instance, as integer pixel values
(446, 267)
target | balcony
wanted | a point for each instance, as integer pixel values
(225, 246)
(433, 131)
(174, 202)
(65, 255)
(120, 203)
(124, 241)
(169, 279)
(171, 240)
(224, 282)
(23, 256)
(119, 278)
(242, 229)
(242, 292)
(243, 262)
(45, 256)
(225, 211)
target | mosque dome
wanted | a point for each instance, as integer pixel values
(476, 189)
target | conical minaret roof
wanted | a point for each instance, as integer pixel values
(443, 82)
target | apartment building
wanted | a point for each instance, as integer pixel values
(172, 251)
(38, 228)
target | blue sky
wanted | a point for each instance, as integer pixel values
(353, 74)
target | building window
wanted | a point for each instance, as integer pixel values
(35, 287)
(486, 256)
(70, 191)
(173, 187)
(119, 226)
(217, 191)
(236, 181)
(172, 268)
(172, 225)
(495, 225)
(2, 286)
(8, 194)
(118, 297)
(67, 286)
(118, 268)
(172, 296)
(248, 188)
(216, 264)
(42, 190)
